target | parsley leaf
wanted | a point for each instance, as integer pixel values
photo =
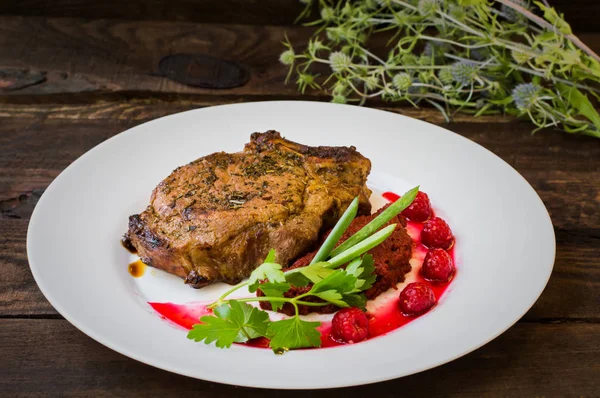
(270, 256)
(316, 272)
(269, 270)
(274, 290)
(362, 269)
(236, 322)
(339, 280)
(333, 297)
(293, 333)
(296, 278)
(355, 300)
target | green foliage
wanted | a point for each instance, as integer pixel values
(237, 322)
(474, 56)
(234, 322)
(268, 270)
(293, 333)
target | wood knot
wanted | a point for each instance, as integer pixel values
(203, 71)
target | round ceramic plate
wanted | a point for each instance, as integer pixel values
(505, 242)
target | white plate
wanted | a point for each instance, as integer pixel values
(505, 242)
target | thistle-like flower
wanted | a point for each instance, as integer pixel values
(525, 95)
(339, 61)
(287, 57)
(402, 81)
(445, 76)
(427, 7)
(371, 82)
(464, 72)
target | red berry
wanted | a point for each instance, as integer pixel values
(437, 266)
(350, 325)
(419, 209)
(437, 233)
(416, 298)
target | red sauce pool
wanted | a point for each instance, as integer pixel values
(184, 315)
(384, 320)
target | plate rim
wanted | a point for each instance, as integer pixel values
(148, 360)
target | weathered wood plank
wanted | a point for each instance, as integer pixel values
(142, 110)
(579, 13)
(79, 56)
(38, 142)
(527, 360)
(123, 56)
(255, 12)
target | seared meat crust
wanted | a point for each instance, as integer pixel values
(216, 218)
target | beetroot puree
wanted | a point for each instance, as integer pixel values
(384, 319)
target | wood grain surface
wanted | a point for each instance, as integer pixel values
(581, 14)
(527, 358)
(74, 73)
(100, 58)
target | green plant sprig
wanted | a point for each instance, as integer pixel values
(235, 321)
(517, 57)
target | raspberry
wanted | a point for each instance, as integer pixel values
(416, 298)
(419, 209)
(437, 266)
(350, 325)
(437, 233)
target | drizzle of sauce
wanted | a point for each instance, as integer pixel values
(382, 320)
(390, 196)
(184, 315)
(126, 243)
(137, 268)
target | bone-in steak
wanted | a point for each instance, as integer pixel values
(216, 218)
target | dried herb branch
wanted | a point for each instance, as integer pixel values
(476, 56)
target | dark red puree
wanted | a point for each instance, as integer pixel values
(384, 319)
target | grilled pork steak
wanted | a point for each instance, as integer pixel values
(216, 218)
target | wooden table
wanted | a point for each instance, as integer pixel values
(74, 74)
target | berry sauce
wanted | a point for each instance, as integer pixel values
(384, 319)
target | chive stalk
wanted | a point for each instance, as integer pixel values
(361, 247)
(336, 233)
(378, 222)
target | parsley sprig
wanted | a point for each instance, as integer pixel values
(236, 321)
